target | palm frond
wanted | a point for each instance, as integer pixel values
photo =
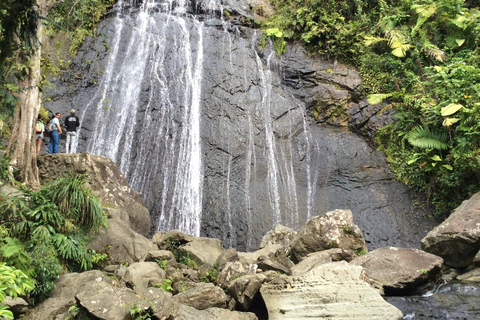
(425, 138)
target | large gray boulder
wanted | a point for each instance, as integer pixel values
(62, 297)
(279, 235)
(399, 270)
(331, 291)
(141, 274)
(121, 243)
(333, 229)
(457, 239)
(106, 181)
(203, 296)
(185, 312)
(107, 302)
(245, 289)
(316, 259)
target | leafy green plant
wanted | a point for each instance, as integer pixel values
(163, 264)
(43, 234)
(13, 282)
(210, 275)
(138, 313)
(167, 285)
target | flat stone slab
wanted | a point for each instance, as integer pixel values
(332, 291)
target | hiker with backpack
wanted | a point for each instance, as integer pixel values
(55, 131)
(39, 130)
(71, 122)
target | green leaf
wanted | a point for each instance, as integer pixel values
(400, 49)
(450, 109)
(412, 161)
(436, 158)
(460, 42)
(449, 121)
(378, 98)
(447, 167)
(425, 138)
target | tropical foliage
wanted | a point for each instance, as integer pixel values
(422, 58)
(45, 232)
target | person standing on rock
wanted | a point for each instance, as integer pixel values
(71, 122)
(55, 134)
(39, 130)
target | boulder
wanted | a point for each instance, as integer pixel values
(188, 313)
(336, 291)
(244, 289)
(106, 181)
(160, 301)
(229, 255)
(272, 250)
(106, 302)
(399, 270)
(334, 229)
(121, 243)
(204, 251)
(279, 235)
(315, 259)
(63, 295)
(266, 263)
(18, 306)
(203, 296)
(470, 276)
(457, 239)
(233, 270)
(140, 274)
(160, 255)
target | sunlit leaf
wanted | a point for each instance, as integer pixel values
(436, 158)
(412, 161)
(460, 42)
(447, 167)
(449, 121)
(450, 109)
(378, 98)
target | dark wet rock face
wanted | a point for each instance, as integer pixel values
(222, 139)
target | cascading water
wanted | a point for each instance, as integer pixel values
(164, 131)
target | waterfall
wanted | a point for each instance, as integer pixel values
(196, 117)
(154, 139)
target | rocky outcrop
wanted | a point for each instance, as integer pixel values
(457, 239)
(106, 181)
(336, 290)
(334, 229)
(399, 271)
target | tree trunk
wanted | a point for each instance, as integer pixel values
(22, 142)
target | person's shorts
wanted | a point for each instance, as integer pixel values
(39, 136)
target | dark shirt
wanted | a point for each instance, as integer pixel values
(71, 122)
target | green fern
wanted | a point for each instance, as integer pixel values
(425, 138)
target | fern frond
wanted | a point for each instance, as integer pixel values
(434, 52)
(425, 138)
(378, 97)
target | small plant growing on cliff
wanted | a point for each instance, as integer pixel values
(137, 313)
(167, 285)
(163, 264)
(361, 252)
(210, 275)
